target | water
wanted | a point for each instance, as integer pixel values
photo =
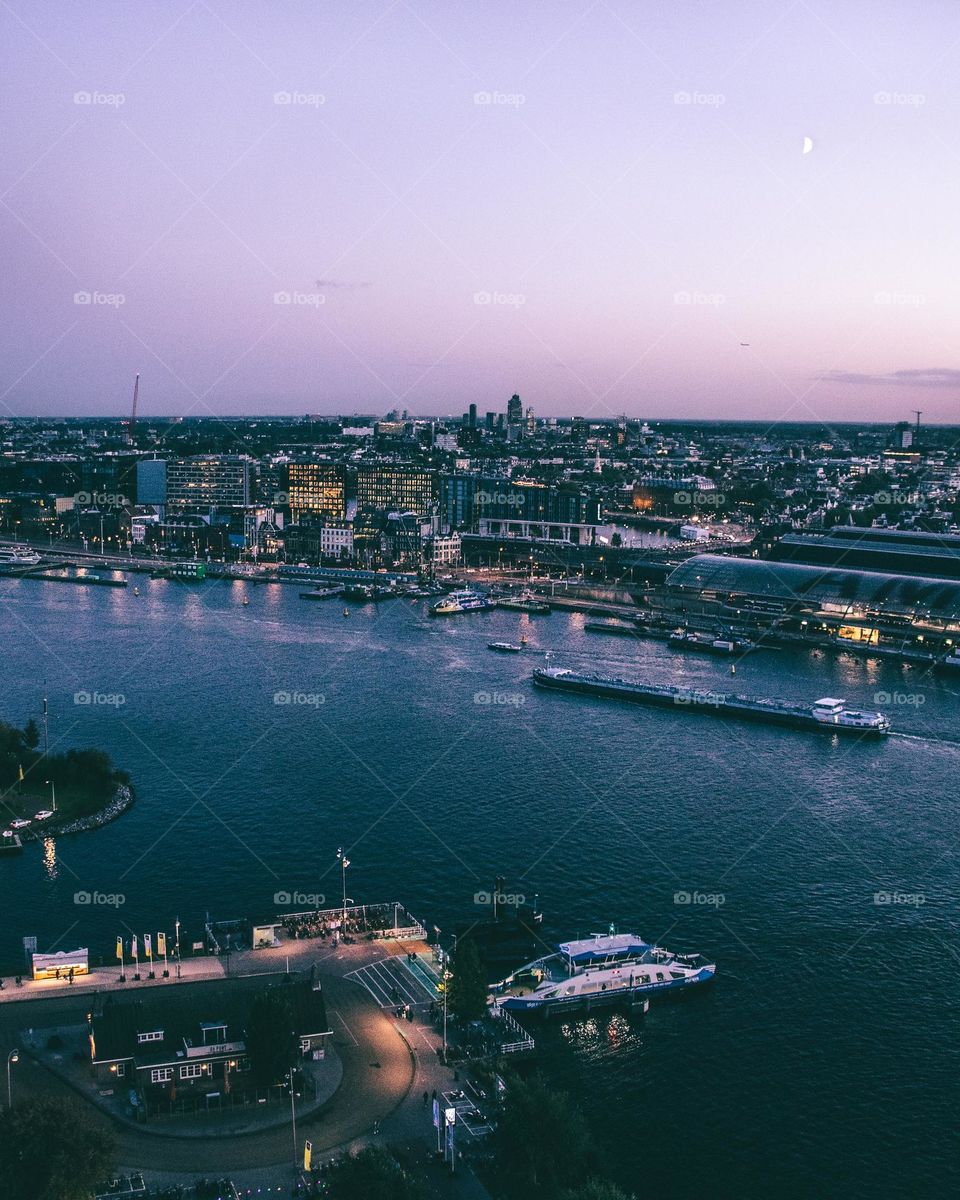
(823, 1062)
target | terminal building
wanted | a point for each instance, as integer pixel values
(900, 551)
(874, 606)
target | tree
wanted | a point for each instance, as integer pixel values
(543, 1140)
(374, 1172)
(51, 1151)
(271, 1040)
(467, 990)
(596, 1189)
(31, 735)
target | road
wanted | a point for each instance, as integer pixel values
(378, 1070)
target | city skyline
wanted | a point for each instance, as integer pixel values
(671, 215)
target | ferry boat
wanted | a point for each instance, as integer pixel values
(606, 968)
(688, 639)
(524, 601)
(504, 647)
(828, 715)
(464, 600)
(18, 556)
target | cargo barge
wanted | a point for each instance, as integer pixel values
(828, 715)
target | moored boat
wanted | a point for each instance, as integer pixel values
(607, 968)
(525, 601)
(461, 601)
(504, 647)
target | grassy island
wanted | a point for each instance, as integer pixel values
(85, 782)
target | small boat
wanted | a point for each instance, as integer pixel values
(136, 591)
(524, 601)
(18, 556)
(346, 612)
(685, 639)
(245, 602)
(611, 627)
(461, 601)
(504, 647)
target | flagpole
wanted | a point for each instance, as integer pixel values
(123, 978)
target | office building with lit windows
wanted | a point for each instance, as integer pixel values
(317, 488)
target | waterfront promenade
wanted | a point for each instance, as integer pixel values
(387, 1063)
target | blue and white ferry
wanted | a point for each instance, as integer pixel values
(606, 968)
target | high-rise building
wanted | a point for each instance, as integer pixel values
(152, 481)
(390, 487)
(316, 487)
(208, 481)
(514, 410)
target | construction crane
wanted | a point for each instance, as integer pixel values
(132, 423)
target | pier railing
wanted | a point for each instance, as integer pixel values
(388, 921)
(522, 1040)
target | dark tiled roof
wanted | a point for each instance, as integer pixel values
(117, 1023)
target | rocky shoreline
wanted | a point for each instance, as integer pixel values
(118, 804)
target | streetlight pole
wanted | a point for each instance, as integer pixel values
(293, 1117)
(53, 792)
(446, 988)
(12, 1057)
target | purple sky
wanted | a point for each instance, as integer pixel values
(626, 243)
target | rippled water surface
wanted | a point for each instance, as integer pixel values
(824, 1060)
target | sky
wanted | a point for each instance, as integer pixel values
(692, 209)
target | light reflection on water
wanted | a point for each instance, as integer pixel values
(51, 866)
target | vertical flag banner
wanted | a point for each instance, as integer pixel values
(148, 945)
(120, 948)
(162, 944)
(133, 946)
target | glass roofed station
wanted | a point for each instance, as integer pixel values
(810, 599)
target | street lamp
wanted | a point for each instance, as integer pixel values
(12, 1057)
(344, 863)
(446, 987)
(53, 792)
